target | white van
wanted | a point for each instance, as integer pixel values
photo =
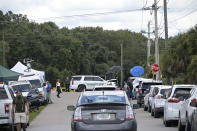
(34, 79)
(22, 86)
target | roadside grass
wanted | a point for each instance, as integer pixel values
(35, 113)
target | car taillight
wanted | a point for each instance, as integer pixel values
(129, 113)
(158, 97)
(77, 115)
(72, 82)
(40, 95)
(173, 100)
(193, 102)
(140, 90)
(7, 108)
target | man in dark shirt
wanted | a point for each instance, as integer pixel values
(20, 111)
(67, 84)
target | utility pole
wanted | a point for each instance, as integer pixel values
(3, 49)
(148, 45)
(121, 84)
(166, 24)
(156, 39)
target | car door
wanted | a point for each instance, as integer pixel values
(89, 82)
(98, 81)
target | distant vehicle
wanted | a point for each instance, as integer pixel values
(159, 97)
(194, 121)
(103, 111)
(105, 87)
(173, 102)
(86, 82)
(144, 88)
(34, 98)
(187, 108)
(6, 99)
(23, 86)
(113, 82)
(36, 80)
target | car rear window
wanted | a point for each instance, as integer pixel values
(3, 94)
(76, 78)
(102, 99)
(182, 93)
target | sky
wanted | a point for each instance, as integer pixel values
(182, 14)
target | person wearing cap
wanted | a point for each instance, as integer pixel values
(20, 110)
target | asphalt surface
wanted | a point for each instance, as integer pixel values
(55, 117)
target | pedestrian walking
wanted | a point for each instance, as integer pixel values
(67, 84)
(20, 111)
(130, 88)
(48, 90)
(58, 87)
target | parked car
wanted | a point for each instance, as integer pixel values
(144, 88)
(6, 98)
(103, 111)
(34, 98)
(188, 106)
(159, 96)
(23, 86)
(105, 87)
(86, 82)
(194, 121)
(173, 102)
(113, 82)
(148, 97)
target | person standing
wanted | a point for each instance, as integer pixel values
(67, 84)
(48, 90)
(58, 87)
(20, 111)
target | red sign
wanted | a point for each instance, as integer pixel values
(155, 68)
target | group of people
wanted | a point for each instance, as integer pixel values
(20, 105)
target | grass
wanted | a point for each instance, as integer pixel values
(35, 113)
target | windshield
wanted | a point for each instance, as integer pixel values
(102, 99)
(22, 88)
(36, 83)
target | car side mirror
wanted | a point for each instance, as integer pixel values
(136, 106)
(44, 84)
(71, 108)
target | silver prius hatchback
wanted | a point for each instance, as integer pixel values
(103, 111)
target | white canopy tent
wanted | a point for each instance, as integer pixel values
(20, 68)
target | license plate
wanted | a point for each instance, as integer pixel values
(103, 116)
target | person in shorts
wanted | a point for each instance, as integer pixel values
(20, 111)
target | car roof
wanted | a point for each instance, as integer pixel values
(183, 86)
(92, 93)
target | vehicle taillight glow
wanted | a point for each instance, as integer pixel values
(7, 108)
(140, 90)
(77, 115)
(72, 82)
(173, 100)
(194, 102)
(129, 113)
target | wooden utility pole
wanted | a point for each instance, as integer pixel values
(166, 24)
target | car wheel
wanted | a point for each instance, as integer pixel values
(156, 115)
(188, 125)
(149, 108)
(167, 123)
(81, 88)
(145, 108)
(152, 112)
(180, 126)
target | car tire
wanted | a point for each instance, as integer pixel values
(145, 108)
(180, 126)
(81, 88)
(156, 114)
(167, 123)
(188, 125)
(149, 108)
(152, 112)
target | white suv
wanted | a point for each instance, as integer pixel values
(188, 107)
(86, 82)
(173, 102)
(6, 98)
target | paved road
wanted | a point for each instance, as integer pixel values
(55, 117)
